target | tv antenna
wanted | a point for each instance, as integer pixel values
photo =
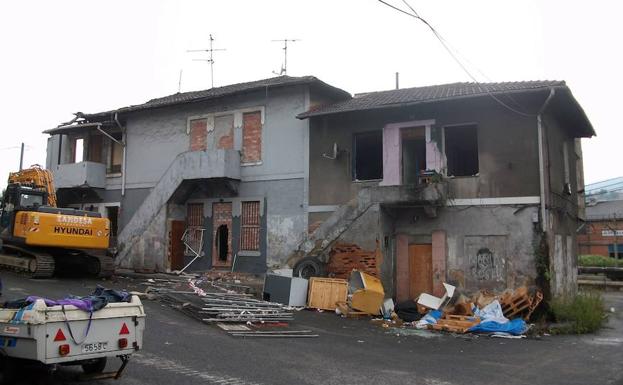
(210, 60)
(284, 68)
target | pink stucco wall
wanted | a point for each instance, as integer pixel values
(391, 155)
(439, 262)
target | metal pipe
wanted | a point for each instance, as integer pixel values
(539, 120)
(123, 161)
(21, 158)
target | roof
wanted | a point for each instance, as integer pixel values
(415, 95)
(568, 107)
(218, 92)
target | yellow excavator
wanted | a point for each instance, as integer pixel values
(39, 238)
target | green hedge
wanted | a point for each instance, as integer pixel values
(597, 260)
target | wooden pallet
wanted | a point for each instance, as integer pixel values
(520, 302)
(455, 323)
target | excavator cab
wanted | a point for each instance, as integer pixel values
(18, 198)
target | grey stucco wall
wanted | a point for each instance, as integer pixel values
(507, 144)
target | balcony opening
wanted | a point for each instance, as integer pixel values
(413, 154)
(368, 156)
(115, 155)
(78, 154)
(462, 150)
(94, 148)
(222, 241)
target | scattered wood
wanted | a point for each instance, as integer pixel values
(455, 323)
(520, 303)
(349, 312)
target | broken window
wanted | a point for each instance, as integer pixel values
(250, 226)
(252, 137)
(116, 154)
(462, 150)
(368, 156)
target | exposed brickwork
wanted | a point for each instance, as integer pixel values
(344, 257)
(593, 240)
(221, 215)
(198, 134)
(252, 137)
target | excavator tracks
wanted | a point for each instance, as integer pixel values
(33, 262)
(105, 265)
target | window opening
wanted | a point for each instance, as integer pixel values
(462, 150)
(368, 154)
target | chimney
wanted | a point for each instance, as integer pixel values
(397, 80)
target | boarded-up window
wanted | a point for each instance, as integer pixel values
(250, 226)
(198, 134)
(252, 137)
(116, 154)
(222, 136)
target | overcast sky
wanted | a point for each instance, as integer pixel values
(59, 57)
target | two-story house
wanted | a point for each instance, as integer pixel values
(473, 184)
(225, 169)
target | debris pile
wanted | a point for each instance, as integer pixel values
(210, 299)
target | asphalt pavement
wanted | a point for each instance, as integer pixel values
(180, 350)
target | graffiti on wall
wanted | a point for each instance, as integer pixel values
(486, 260)
(483, 265)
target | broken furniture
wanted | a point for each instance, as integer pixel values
(347, 311)
(367, 292)
(435, 303)
(324, 293)
(290, 291)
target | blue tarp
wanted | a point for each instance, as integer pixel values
(515, 327)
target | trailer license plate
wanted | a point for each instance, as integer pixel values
(94, 347)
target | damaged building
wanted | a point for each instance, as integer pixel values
(478, 185)
(220, 173)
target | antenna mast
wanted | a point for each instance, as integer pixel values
(284, 68)
(209, 60)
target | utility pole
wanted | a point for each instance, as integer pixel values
(284, 68)
(210, 60)
(21, 158)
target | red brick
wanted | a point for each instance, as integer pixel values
(252, 137)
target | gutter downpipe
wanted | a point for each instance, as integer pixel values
(123, 139)
(539, 123)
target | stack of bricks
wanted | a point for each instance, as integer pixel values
(344, 257)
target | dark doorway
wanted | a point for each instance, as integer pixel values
(176, 246)
(222, 241)
(413, 154)
(112, 213)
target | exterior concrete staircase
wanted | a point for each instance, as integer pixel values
(186, 166)
(329, 232)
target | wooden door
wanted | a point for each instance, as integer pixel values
(420, 269)
(176, 246)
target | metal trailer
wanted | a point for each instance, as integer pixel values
(66, 335)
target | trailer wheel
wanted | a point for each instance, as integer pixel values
(309, 267)
(96, 366)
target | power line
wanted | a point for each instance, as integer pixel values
(456, 59)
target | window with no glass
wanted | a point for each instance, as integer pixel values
(368, 156)
(462, 150)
